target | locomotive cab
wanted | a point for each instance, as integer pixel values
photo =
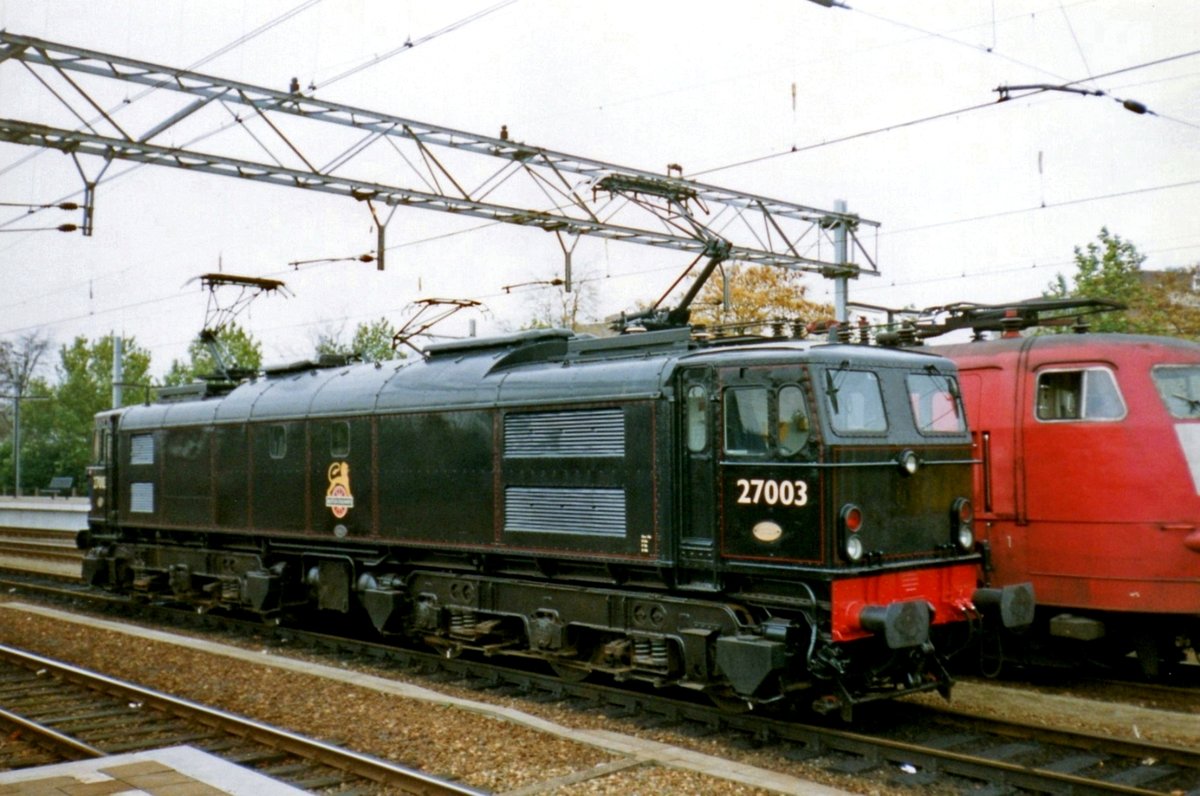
(102, 490)
(832, 487)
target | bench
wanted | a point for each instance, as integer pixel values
(58, 485)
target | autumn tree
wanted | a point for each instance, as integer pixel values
(754, 295)
(1172, 295)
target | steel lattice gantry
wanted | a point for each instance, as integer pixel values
(581, 196)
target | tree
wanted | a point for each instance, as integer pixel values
(757, 294)
(240, 352)
(19, 363)
(1112, 269)
(56, 432)
(553, 307)
(1172, 296)
(372, 342)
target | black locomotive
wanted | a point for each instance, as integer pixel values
(756, 520)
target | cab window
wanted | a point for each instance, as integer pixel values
(1179, 388)
(855, 402)
(793, 420)
(696, 411)
(100, 446)
(935, 403)
(1082, 394)
(747, 430)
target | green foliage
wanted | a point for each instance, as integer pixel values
(239, 351)
(1111, 268)
(56, 420)
(372, 342)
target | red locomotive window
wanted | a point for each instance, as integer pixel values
(1085, 394)
(1179, 388)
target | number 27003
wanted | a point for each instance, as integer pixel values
(754, 491)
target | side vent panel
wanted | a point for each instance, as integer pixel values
(569, 510)
(588, 432)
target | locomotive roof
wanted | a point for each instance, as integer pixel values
(1093, 344)
(548, 366)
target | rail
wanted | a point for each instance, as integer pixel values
(391, 775)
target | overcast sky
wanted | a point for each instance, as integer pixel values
(982, 204)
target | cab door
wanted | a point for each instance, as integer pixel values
(102, 472)
(697, 552)
(767, 487)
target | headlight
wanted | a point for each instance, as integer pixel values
(851, 520)
(909, 462)
(962, 524)
(854, 548)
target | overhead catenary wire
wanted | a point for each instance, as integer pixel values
(410, 44)
(932, 117)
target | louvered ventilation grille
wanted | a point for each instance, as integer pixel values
(573, 510)
(141, 449)
(591, 432)
(141, 498)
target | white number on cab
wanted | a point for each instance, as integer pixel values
(753, 491)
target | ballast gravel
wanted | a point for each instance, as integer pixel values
(514, 756)
(444, 740)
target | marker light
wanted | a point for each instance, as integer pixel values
(909, 462)
(852, 521)
(962, 521)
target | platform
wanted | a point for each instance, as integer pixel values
(174, 771)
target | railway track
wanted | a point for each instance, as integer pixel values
(31, 544)
(75, 714)
(916, 746)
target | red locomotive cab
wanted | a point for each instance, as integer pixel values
(1089, 482)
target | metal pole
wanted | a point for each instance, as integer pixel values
(841, 284)
(17, 444)
(118, 372)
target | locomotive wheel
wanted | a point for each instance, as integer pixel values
(728, 703)
(1156, 656)
(570, 672)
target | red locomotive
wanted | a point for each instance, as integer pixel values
(1088, 478)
